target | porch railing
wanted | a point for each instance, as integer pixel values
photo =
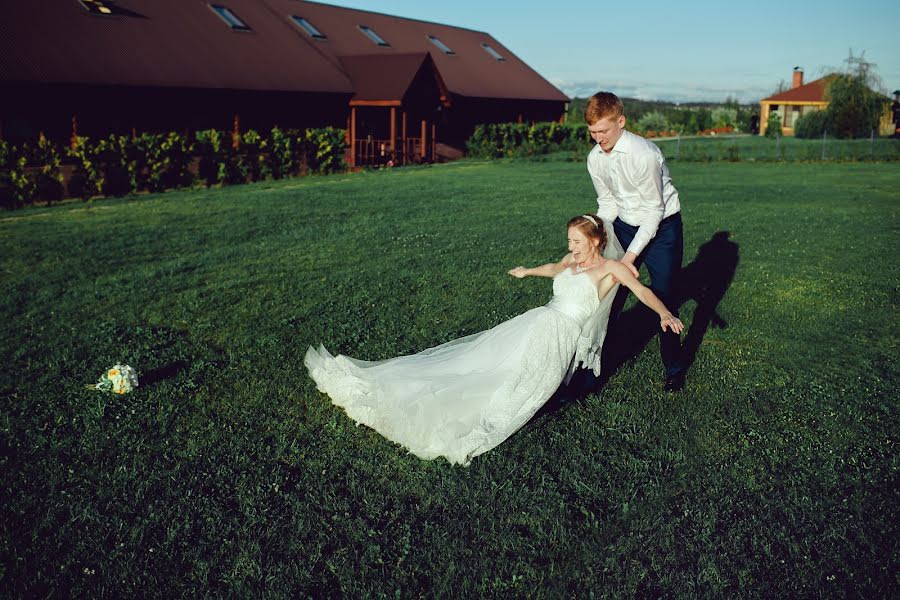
(374, 152)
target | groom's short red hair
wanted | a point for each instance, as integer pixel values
(603, 105)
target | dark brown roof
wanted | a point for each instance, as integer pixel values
(814, 91)
(183, 43)
(469, 71)
(378, 78)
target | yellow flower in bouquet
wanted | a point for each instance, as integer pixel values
(120, 379)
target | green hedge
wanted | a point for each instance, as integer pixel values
(497, 140)
(28, 171)
(121, 164)
(812, 125)
(519, 140)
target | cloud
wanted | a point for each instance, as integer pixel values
(668, 91)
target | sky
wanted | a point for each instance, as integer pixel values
(684, 51)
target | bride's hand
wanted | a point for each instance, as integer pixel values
(519, 272)
(674, 323)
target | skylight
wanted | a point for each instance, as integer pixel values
(372, 35)
(96, 7)
(108, 8)
(441, 45)
(492, 52)
(229, 17)
(308, 27)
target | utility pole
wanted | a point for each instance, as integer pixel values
(863, 69)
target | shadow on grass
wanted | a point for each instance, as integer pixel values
(705, 280)
(164, 372)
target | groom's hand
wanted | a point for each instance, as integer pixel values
(628, 261)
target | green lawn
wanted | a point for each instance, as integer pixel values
(756, 148)
(774, 474)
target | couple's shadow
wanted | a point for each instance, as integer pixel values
(705, 281)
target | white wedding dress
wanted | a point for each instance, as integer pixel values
(463, 398)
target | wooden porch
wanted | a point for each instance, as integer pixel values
(396, 111)
(398, 148)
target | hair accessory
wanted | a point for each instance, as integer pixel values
(591, 219)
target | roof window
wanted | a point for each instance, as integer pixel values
(106, 8)
(441, 45)
(372, 35)
(492, 52)
(229, 17)
(308, 27)
(96, 7)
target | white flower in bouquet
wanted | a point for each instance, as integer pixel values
(120, 379)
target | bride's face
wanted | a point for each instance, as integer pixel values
(580, 245)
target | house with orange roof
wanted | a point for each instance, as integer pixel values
(802, 99)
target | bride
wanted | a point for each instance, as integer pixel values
(463, 398)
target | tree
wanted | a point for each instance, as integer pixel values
(812, 124)
(653, 121)
(704, 119)
(724, 116)
(854, 109)
(773, 125)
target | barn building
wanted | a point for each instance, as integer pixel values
(402, 86)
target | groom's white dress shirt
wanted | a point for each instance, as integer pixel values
(633, 183)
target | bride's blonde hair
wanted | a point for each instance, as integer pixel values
(592, 227)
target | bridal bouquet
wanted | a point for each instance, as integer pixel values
(120, 379)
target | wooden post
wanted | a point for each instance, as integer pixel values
(73, 141)
(422, 145)
(403, 128)
(353, 137)
(348, 149)
(236, 133)
(520, 118)
(393, 133)
(433, 141)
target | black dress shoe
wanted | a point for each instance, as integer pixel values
(674, 383)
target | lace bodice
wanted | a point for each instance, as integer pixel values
(574, 295)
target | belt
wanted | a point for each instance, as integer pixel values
(668, 219)
(671, 217)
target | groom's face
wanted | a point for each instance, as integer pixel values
(607, 131)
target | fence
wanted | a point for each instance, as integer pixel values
(754, 148)
(374, 152)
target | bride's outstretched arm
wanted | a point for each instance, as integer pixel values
(548, 270)
(645, 295)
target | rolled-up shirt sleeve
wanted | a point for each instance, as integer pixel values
(648, 179)
(606, 202)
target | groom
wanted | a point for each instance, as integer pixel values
(635, 193)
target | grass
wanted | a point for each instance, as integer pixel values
(756, 148)
(774, 474)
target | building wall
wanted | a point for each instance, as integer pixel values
(795, 110)
(100, 111)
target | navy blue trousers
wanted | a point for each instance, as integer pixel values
(662, 257)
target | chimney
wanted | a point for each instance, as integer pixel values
(798, 77)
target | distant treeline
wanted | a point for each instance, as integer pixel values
(685, 119)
